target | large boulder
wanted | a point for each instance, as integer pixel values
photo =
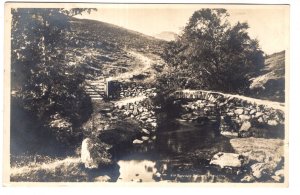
(94, 154)
(261, 169)
(227, 160)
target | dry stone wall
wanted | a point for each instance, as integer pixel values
(136, 103)
(238, 115)
(132, 89)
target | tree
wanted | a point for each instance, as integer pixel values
(212, 54)
(45, 84)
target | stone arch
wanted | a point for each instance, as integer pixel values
(242, 115)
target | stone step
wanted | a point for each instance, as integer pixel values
(95, 89)
(94, 93)
(96, 79)
(97, 84)
(97, 98)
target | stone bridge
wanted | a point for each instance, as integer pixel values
(243, 115)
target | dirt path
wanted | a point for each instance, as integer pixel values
(271, 104)
(145, 64)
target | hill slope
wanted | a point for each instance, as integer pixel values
(104, 49)
(270, 83)
(166, 35)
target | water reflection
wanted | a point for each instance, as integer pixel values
(180, 152)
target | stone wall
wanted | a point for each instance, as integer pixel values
(136, 104)
(132, 89)
(238, 115)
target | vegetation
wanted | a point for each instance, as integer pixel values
(43, 83)
(270, 82)
(212, 54)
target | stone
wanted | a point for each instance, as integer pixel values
(229, 134)
(144, 118)
(211, 105)
(137, 180)
(277, 178)
(104, 178)
(131, 107)
(272, 122)
(244, 117)
(239, 111)
(186, 116)
(157, 175)
(86, 157)
(127, 113)
(260, 120)
(121, 106)
(198, 113)
(137, 141)
(248, 179)
(154, 94)
(135, 112)
(149, 120)
(93, 153)
(265, 117)
(259, 114)
(227, 160)
(253, 111)
(153, 124)
(106, 110)
(245, 126)
(230, 114)
(259, 170)
(146, 131)
(145, 138)
(140, 109)
(109, 114)
(279, 175)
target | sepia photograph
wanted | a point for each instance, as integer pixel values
(146, 93)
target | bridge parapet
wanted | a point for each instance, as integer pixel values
(244, 112)
(222, 98)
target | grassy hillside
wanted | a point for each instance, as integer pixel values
(104, 49)
(270, 83)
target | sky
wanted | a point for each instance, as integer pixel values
(269, 24)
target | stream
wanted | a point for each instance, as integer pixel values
(170, 156)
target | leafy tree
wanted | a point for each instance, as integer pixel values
(40, 74)
(212, 54)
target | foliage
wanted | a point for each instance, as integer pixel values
(212, 54)
(40, 74)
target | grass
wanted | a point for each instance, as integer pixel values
(261, 150)
(57, 170)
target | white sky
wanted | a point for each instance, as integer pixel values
(269, 24)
